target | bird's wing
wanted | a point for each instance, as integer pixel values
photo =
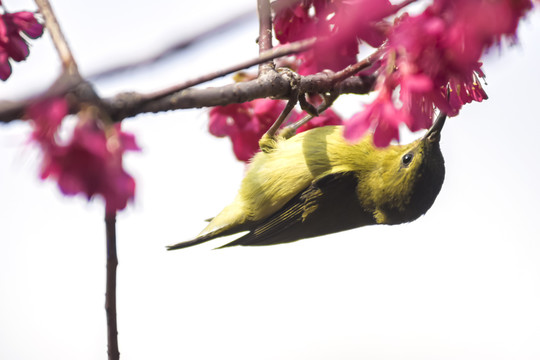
(330, 204)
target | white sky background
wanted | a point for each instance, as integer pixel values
(462, 282)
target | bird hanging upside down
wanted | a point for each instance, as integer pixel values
(316, 183)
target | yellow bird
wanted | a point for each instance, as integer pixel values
(316, 183)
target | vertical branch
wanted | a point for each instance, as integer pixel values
(62, 47)
(265, 33)
(110, 295)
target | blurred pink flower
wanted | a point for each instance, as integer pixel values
(12, 44)
(47, 116)
(246, 123)
(381, 115)
(294, 23)
(327, 118)
(91, 161)
(362, 19)
(338, 25)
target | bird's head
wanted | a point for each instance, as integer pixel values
(407, 178)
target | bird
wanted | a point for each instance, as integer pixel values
(317, 183)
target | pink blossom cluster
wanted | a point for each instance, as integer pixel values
(14, 27)
(338, 26)
(246, 123)
(89, 163)
(432, 59)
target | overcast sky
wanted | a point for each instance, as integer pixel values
(462, 282)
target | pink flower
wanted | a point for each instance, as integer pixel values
(328, 54)
(327, 118)
(5, 67)
(414, 89)
(312, 18)
(227, 119)
(424, 60)
(338, 25)
(12, 44)
(466, 91)
(91, 161)
(26, 22)
(294, 23)
(362, 19)
(382, 115)
(246, 123)
(47, 115)
(442, 47)
(91, 164)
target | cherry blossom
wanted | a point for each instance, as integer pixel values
(338, 25)
(90, 162)
(381, 115)
(12, 44)
(246, 123)
(327, 118)
(47, 115)
(433, 60)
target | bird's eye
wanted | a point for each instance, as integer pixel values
(406, 159)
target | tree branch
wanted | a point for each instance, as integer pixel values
(274, 84)
(183, 96)
(110, 295)
(14, 110)
(285, 50)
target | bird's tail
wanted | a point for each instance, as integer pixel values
(230, 220)
(207, 236)
(198, 240)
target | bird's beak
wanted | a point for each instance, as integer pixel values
(434, 133)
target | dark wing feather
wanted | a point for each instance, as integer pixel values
(328, 205)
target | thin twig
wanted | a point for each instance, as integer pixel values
(361, 65)
(281, 51)
(68, 61)
(110, 295)
(265, 33)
